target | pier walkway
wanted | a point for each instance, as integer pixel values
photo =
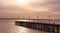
(47, 27)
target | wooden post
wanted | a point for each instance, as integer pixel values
(41, 26)
(53, 28)
(58, 29)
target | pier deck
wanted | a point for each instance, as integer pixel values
(51, 28)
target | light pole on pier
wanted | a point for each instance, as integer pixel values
(29, 17)
(49, 19)
(23, 17)
(37, 18)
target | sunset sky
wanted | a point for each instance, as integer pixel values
(33, 8)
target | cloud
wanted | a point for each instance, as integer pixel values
(35, 7)
(11, 9)
(53, 6)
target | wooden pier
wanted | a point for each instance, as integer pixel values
(51, 28)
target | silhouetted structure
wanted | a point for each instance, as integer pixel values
(48, 27)
(52, 28)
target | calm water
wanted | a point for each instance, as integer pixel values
(8, 26)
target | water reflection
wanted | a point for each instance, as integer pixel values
(21, 29)
(26, 30)
(10, 27)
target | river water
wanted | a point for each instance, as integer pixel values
(8, 26)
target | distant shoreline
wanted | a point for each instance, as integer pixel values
(24, 19)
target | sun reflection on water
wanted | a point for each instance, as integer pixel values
(22, 29)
